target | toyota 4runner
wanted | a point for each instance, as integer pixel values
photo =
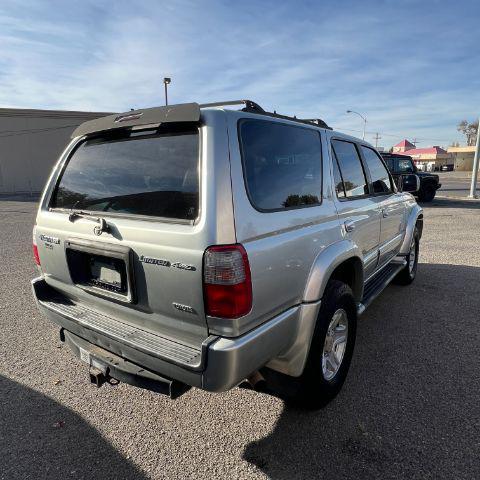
(199, 245)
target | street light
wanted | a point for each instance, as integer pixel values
(364, 121)
(166, 81)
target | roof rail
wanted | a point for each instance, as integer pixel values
(253, 107)
(249, 104)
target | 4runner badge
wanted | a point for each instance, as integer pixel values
(48, 239)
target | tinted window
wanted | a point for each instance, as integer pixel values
(390, 163)
(351, 169)
(153, 175)
(405, 165)
(282, 164)
(338, 179)
(378, 171)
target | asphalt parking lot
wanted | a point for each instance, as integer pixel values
(410, 407)
(455, 184)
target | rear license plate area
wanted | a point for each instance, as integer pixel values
(99, 271)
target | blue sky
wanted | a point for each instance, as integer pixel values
(412, 67)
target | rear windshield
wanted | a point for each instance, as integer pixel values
(142, 174)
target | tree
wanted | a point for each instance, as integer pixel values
(469, 130)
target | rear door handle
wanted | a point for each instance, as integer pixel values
(384, 214)
(349, 226)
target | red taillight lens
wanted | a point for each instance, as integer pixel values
(36, 256)
(227, 283)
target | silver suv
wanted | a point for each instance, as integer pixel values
(199, 245)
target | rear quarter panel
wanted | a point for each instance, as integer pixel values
(281, 246)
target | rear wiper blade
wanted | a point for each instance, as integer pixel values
(102, 223)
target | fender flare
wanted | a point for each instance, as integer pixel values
(415, 216)
(325, 264)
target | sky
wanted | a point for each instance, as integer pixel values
(412, 68)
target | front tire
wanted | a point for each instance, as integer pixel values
(427, 194)
(332, 347)
(407, 275)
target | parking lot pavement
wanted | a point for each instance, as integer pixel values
(410, 407)
(455, 184)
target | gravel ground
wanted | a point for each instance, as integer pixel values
(410, 407)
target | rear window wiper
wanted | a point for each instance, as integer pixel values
(102, 223)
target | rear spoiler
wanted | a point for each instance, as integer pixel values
(183, 113)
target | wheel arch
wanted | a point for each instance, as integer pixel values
(414, 219)
(341, 261)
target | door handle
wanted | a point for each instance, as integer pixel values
(349, 226)
(384, 214)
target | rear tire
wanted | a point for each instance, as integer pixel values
(407, 275)
(321, 379)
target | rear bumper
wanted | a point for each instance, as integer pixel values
(220, 363)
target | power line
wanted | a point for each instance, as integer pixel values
(396, 135)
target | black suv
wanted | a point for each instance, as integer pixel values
(403, 164)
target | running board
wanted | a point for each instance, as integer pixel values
(375, 286)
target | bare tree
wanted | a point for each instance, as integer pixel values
(469, 130)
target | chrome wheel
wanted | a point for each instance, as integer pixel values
(335, 344)
(412, 256)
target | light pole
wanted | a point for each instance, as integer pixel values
(364, 121)
(476, 161)
(166, 81)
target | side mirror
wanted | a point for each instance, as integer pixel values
(409, 183)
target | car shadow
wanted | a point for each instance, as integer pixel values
(407, 406)
(54, 443)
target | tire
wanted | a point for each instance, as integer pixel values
(407, 275)
(318, 384)
(427, 194)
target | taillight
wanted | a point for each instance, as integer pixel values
(36, 256)
(227, 283)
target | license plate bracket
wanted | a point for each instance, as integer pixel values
(104, 270)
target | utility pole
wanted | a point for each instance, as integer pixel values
(476, 161)
(415, 141)
(377, 137)
(166, 81)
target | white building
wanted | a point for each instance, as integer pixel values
(30, 143)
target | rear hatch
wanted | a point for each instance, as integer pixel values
(120, 233)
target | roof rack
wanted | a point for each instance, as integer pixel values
(251, 106)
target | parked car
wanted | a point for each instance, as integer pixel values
(449, 167)
(399, 165)
(196, 245)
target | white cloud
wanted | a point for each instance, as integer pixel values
(310, 60)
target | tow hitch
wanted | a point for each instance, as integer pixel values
(106, 367)
(97, 377)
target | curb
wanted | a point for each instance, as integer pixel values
(466, 199)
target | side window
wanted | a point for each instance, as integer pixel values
(338, 179)
(282, 164)
(378, 172)
(390, 163)
(353, 176)
(405, 166)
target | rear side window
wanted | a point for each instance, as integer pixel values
(353, 176)
(282, 164)
(378, 171)
(141, 174)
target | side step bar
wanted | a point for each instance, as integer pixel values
(105, 366)
(375, 286)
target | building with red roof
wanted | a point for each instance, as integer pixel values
(403, 146)
(431, 157)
